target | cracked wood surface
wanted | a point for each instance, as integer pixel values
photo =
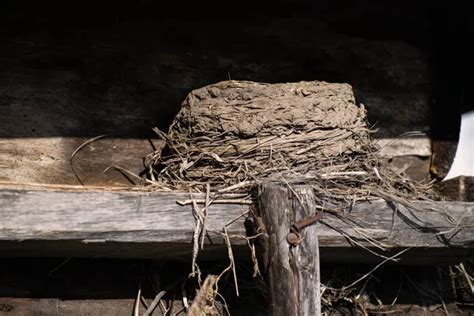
(136, 223)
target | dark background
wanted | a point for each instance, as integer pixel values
(85, 68)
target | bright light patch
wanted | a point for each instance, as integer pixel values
(463, 164)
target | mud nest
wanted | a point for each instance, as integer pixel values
(235, 134)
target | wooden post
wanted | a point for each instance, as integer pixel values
(292, 271)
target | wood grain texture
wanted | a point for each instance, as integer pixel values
(151, 224)
(47, 160)
(306, 257)
(106, 216)
(122, 221)
(438, 225)
(281, 277)
(55, 306)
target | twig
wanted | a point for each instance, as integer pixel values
(346, 173)
(142, 300)
(197, 231)
(368, 273)
(185, 296)
(428, 294)
(50, 273)
(154, 303)
(166, 309)
(398, 292)
(352, 240)
(469, 278)
(237, 186)
(124, 172)
(136, 307)
(74, 153)
(204, 215)
(253, 253)
(221, 201)
(236, 218)
(231, 258)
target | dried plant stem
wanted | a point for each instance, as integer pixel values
(154, 303)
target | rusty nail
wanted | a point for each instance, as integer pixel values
(308, 221)
(293, 238)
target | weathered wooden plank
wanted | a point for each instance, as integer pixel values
(442, 223)
(409, 157)
(47, 160)
(393, 147)
(107, 216)
(305, 256)
(152, 224)
(55, 306)
(108, 223)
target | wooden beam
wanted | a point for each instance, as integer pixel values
(122, 220)
(47, 160)
(55, 306)
(137, 223)
(416, 146)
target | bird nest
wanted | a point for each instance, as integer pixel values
(235, 134)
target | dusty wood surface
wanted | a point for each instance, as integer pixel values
(47, 160)
(151, 224)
